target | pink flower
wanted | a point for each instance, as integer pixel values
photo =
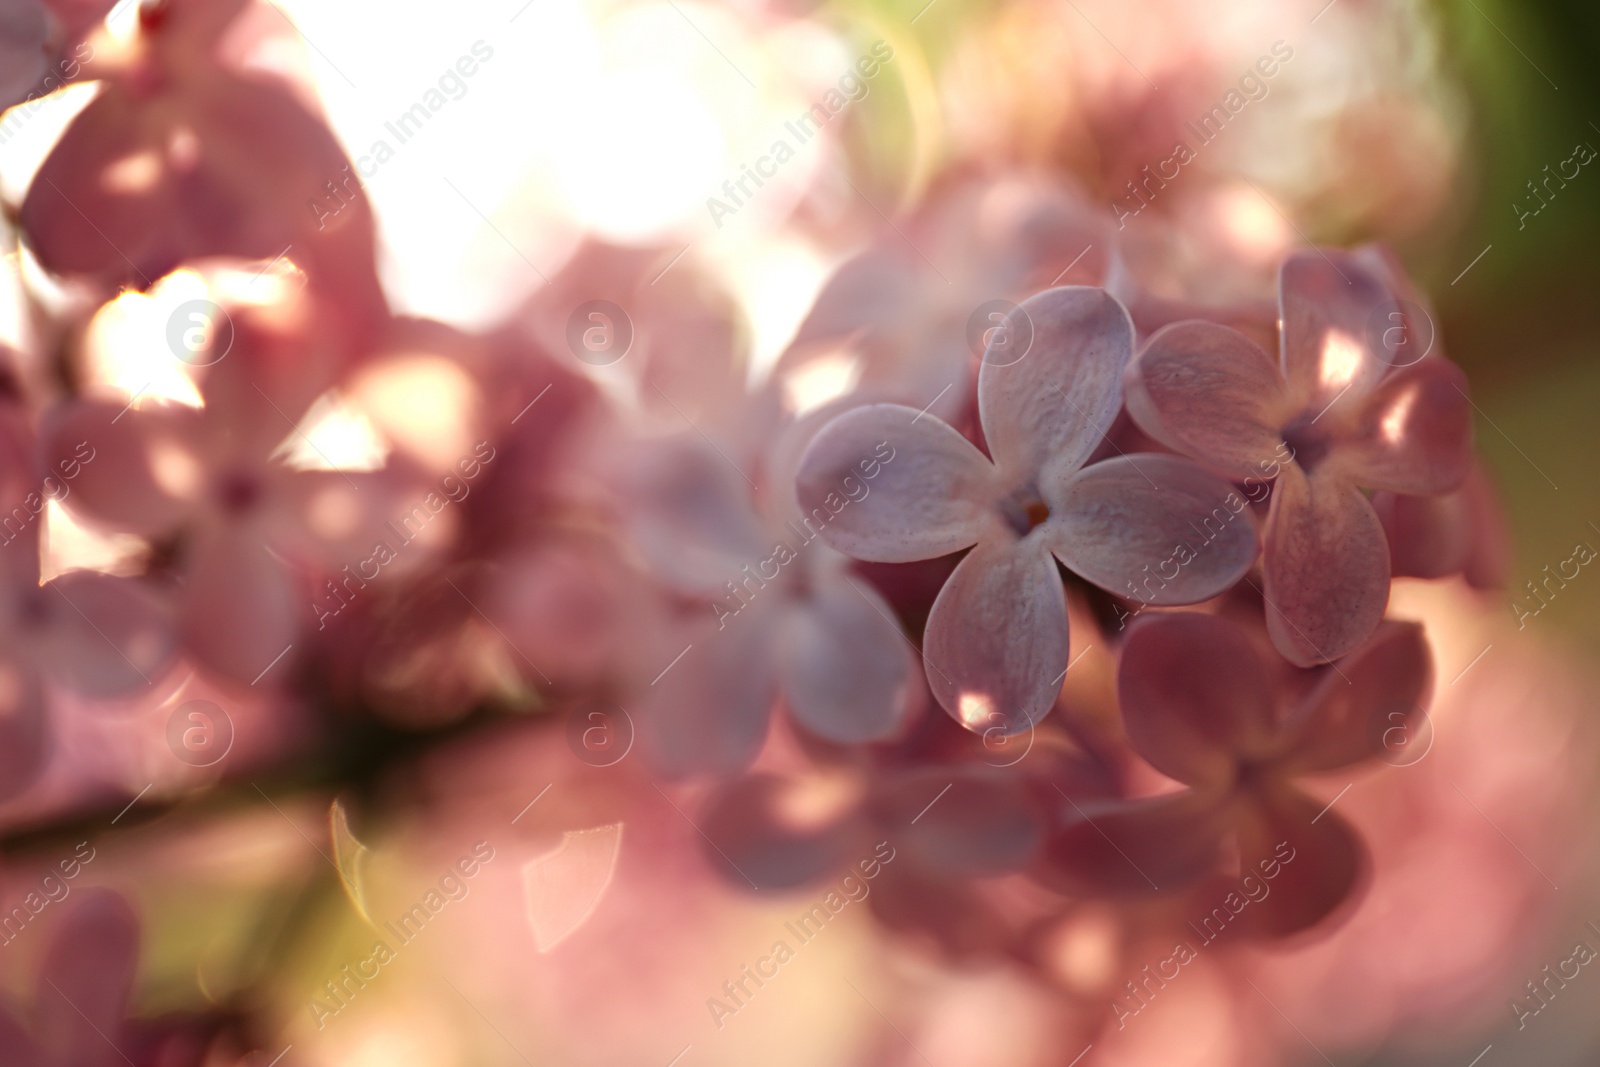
(97, 635)
(906, 317)
(1335, 415)
(995, 648)
(249, 527)
(1205, 707)
(84, 986)
(775, 611)
(181, 158)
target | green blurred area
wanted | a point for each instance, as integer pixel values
(1524, 322)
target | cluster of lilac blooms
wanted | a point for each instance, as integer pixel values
(892, 586)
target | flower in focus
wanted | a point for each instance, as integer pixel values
(1337, 414)
(996, 642)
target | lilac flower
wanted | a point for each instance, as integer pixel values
(1205, 706)
(774, 611)
(1332, 417)
(1158, 527)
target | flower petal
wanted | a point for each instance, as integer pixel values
(888, 484)
(108, 636)
(1045, 413)
(1127, 847)
(1327, 300)
(1326, 563)
(707, 711)
(1415, 431)
(1320, 863)
(691, 514)
(1213, 394)
(996, 643)
(846, 667)
(22, 724)
(141, 471)
(239, 612)
(87, 976)
(1195, 696)
(1374, 704)
(1157, 528)
(780, 834)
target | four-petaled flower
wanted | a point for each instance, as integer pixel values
(1347, 415)
(1157, 527)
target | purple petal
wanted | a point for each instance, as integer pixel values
(1373, 705)
(887, 484)
(780, 834)
(964, 822)
(1195, 695)
(847, 667)
(87, 976)
(22, 724)
(1210, 392)
(691, 514)
(1327, 302)
(1156, 528)
(1045, 413)
(996, 643)
(707, 711)
(1319, 862)
(1126, 847)
(1415, 431)
(1326, 563)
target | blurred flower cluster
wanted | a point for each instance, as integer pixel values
(1066, 609)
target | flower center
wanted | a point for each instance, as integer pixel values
(1308, 444)
(239, 492)
(1024, 511)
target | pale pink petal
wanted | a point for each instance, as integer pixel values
(107, 636)
(691, 514)
(1128, 847)
(22, 724)
(708, 709)
(1046, 412)
(887, 484)
(24, 51)
(846, 667)
(873, 291)
(964, 822)
(1210, 392)
(87, 976)
(1154, 528)
(141, 471)
(780, 834)
(1372, 705)
(1414, 433)
(240, 612)
(996, 643)
(1327, 302)
(1326, 563)
(1196, 698)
